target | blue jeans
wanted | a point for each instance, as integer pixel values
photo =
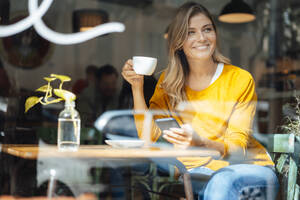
(242, 181)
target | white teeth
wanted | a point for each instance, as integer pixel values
(202, 47)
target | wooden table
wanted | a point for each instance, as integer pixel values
(105, 152)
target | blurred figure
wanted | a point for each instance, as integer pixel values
(92, 102)
(102, 96)
(4, 82)
(126, 102)
(126, 99)
(107, 78)
(4, 93)
(90, 77)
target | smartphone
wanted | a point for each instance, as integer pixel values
(167, 123)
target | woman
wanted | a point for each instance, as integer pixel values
(216, 104)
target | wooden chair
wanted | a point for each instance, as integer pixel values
(286, 149)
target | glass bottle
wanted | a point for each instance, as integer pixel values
(68, 138)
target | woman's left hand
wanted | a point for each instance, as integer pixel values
(181, 137)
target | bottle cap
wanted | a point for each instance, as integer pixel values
(70, 103)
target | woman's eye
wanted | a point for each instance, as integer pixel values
(191, 32)
(207, 30)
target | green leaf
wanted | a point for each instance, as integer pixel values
(48, 79)
(66, 95)
(31, 101)
(44, 88)
(63, 78)
(55, 100)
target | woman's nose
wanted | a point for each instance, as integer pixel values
(201, 36)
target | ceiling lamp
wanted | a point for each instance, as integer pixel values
(86, 19)
(237, 11)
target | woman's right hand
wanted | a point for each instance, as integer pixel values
(136, 81)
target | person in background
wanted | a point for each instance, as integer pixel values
(126, 98)
(126, 102)
(216, 103)
(100, 97)
(90, 77)
(5, 87)
(4, 82)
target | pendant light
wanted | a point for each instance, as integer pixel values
(86, 19)
(237, 11)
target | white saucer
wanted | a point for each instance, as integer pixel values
(125, 143)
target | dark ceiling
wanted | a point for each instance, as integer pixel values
(134, 3)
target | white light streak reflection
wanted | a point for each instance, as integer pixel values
(35, 19)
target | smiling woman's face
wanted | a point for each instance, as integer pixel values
(200, 43)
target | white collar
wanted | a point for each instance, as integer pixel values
(218, 72)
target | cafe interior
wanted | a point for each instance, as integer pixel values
(57, 48)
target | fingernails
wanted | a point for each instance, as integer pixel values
(177, 130)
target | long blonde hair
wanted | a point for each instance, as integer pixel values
(177, 70)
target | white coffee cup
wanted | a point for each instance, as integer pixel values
(144, 65)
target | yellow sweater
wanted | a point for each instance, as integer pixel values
(222, 112)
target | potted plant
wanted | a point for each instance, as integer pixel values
(69, 120)
(288, 147)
